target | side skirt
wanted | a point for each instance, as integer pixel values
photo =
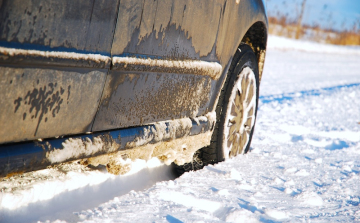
(170, 141)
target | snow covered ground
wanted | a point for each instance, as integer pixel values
(304, 164)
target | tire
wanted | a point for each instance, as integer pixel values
(234, 128)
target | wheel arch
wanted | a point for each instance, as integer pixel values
(255, 35)
(256, 38)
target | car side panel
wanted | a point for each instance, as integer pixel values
(41, 103)
(175, 30)
(133, 98)
(67, 25)
(167, 28)
(172, 30)
(49, 85)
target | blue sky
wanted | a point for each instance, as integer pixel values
(337, 14)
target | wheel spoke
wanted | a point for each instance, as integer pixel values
(250, 93)
(244, 87)
(241, 113)
(249, 117)
(238, 101)
(233, 109)
(243, 142)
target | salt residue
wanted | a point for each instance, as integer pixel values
(161, 131)
(210, 69)
(211, 116)
(171, 142)
(179, 151)
(76, 147)
(55, 54)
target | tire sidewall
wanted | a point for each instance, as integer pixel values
(244, 57)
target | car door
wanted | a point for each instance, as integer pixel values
(164, 62)
(54, 58)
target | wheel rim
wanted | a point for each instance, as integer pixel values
(240, 115)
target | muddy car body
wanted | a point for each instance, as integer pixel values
(80, 79)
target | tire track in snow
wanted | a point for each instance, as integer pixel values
(281, 98)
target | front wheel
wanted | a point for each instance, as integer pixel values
(235, 112)
(239, 116)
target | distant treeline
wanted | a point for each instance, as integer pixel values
(282, 26)
(293, 27)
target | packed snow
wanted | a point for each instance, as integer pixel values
(304, 163)
(283, 43)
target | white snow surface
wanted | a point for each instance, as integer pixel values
(304, 164)
(283, 43)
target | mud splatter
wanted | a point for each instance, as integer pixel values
(69, 87)
(41, 101)
(17, 103)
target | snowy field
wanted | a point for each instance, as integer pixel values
(304, 164)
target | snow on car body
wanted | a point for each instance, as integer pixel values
(109, 73)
